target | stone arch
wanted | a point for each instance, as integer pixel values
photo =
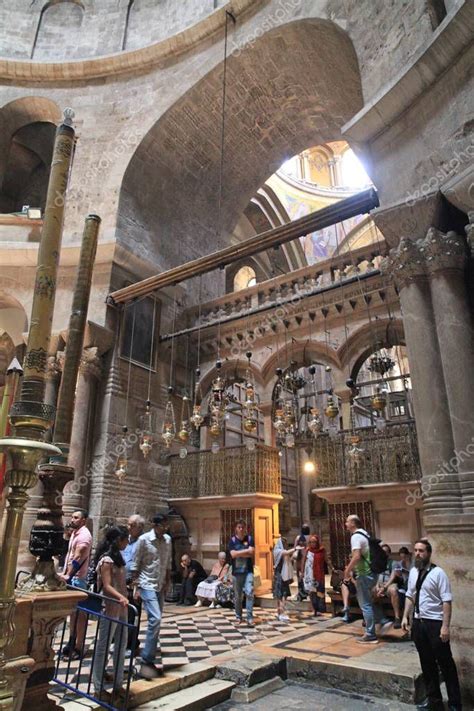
(15, 119)
(235, 368)
(50, 29)
(304, 353)
(13, 318)
(232, 271)
(358, 347)
(170, 186)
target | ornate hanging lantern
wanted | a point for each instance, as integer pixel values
(121, 465)
(332, 409)
(355, 453)
(250, 409)
(315, 424)
(197, 418)
(378, 401)
(147, 427)
(217, 403)
(279, 422)
(184, 429)
(168, 432)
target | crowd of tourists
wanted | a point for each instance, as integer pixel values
(132, 568)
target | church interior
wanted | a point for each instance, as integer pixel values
(236, 282)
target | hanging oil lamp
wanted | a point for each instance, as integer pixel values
(332, 409)
(121, 465)
(250, 409)
(184, 429)
(315, 424)
(378, 401)
(146, 439)
(279, 422)
(217, 403)
(168, 432)
(355, 453)
(197, 418)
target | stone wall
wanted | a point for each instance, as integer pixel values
(74, 29)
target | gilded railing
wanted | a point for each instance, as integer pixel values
(231, 470)
(379, 457)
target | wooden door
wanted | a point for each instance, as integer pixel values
(263, 527)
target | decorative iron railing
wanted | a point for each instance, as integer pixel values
(231, 470)
(383, 457)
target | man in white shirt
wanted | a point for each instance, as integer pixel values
(365, 579)
(429, 597)
(151, 570)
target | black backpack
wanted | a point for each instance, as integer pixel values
(378, 557)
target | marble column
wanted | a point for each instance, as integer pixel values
(446, 263)
(76, 492)
(441, 490)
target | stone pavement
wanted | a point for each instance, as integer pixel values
(307, 697)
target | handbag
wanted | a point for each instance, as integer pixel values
(287, 572)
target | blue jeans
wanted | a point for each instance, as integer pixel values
(153, 602)
(243, 583)
(372, 613)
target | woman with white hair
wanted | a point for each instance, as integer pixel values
(207, 589)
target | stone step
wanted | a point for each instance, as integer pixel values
(252, 668)
(268, 602)
(142, 691)
(244, 695)
(194, 698)
(398, 682)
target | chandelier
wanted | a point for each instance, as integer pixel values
(381, 364)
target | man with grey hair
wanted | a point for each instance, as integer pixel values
(136, 526)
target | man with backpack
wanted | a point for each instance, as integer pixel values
(368, 559)
(429, 597)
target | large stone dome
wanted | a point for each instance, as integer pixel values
(51, 30)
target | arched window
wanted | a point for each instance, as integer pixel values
(49, 39)
(25, 181)
(245, 278)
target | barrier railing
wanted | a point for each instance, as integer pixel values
(82, 662)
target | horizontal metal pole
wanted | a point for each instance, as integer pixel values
(358, 204)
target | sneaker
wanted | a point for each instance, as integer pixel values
(366, 639)
(198, 604)
(212, 605)
(238, 621)
(250, 623)
(283, 618)
(397, 625)
(346, 617)
(150, 671)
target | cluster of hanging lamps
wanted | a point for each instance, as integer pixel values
(250, 408)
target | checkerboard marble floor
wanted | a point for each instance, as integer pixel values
(191, 635)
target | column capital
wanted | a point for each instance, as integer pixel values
(54, 366)
(405, 263)
(443, 251)
(90, 364)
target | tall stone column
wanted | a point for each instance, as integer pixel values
(441, 490)
(75, 494)
(446, 262)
